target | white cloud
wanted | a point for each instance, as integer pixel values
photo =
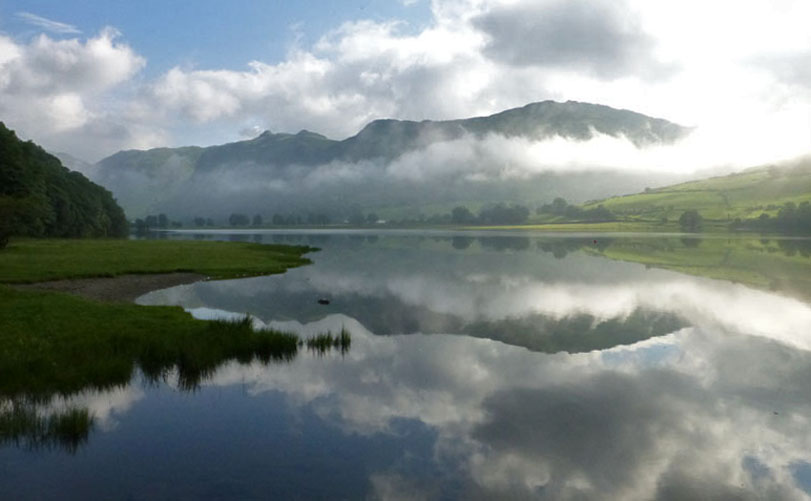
(63, 93)
(48, 24)
(727, 67)
(461, 65)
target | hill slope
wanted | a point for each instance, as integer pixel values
(744, 195)
(388, 163)
(40, 197)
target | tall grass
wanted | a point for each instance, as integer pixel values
(67, 359)
(22, 426)
(324, 342)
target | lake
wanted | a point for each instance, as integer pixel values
(482, 365)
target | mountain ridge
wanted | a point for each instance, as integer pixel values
(295, 166)
(667, 131)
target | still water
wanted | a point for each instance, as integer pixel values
(482, 366)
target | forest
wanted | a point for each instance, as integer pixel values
(39, 197)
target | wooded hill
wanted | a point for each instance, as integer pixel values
(39, 197)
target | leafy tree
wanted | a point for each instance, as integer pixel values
(7, 216)
(558, 205)
(209, 222)
(140, 226)
(43, 198)
(356, 218)
(462, 215)
(199, 221)
(163, 221)
(237, 219)
(257, 220)
(278, 220)
(691, 221)
(371, 218)
(502, 214)
(151, 221)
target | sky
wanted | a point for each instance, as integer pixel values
(94, 77)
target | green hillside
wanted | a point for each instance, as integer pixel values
(744, 195)
(41, 197)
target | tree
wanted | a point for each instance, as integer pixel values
(140, 226)
(691, 221)
(356, 218)
(163, 220)
(48, 200)
(199, 221)
(462, 215)
(237, 219)
(257, 220)
(7, 216)
(502, 214)
(209, 222)
(559, 205)
(371, 218)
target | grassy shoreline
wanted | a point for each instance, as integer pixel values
(38, 260)
(57, 343)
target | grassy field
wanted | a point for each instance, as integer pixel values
(39, 260)
(56, 344)
(743, 195)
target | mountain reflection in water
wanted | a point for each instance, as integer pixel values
(495, 367)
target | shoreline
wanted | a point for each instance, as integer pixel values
(121, 288)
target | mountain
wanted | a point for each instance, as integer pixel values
(744, 195)
(40, 197)
(75, 164)
(388, 164)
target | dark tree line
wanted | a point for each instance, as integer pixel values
(791, 218)
(237, 219)
(202, 221)
(560, 207)
(151, 222)
(497, 214)
(292, 219)
(41, 198)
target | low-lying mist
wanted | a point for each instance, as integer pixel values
(470, 169)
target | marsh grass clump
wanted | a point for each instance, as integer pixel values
(59, 344)
(221, 340)
(22, 426)
(324, 342)
(56, 344)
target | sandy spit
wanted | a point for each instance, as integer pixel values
(123, 288)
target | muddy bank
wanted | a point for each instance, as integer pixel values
(119, 289)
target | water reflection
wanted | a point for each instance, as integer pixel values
(534, 368)
(544, 294)
(49, 409)
(693, 410)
